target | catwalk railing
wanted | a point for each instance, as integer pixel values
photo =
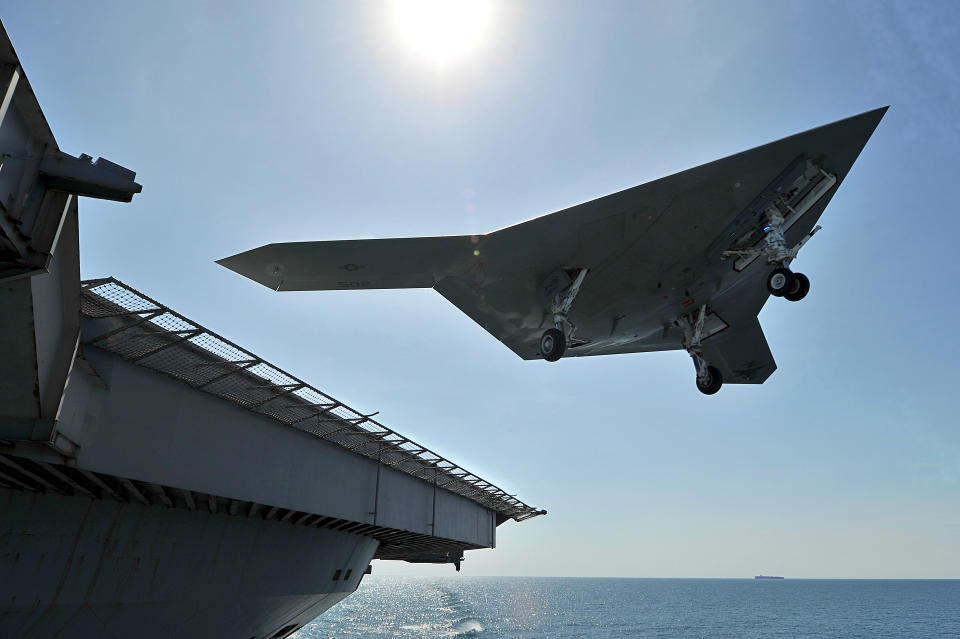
(149, 334)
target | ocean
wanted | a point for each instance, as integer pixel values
(462, 606)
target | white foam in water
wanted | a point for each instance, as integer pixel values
(467, 627)
(559, 608)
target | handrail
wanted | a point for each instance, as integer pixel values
(150, 334)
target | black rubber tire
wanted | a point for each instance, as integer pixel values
(800, 288)
(713, 384)
(786, 282)
(553, 344)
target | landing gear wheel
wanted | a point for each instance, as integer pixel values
(553, 344)
(800, 288)
(780, 281)
(713, 382)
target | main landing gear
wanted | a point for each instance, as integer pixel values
(553, 342)
(709, 379)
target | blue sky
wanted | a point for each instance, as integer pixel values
(251, 123)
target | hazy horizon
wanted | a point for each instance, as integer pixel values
(462, 575)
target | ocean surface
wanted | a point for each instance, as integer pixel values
(461, 606)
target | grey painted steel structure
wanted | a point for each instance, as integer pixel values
(80, 567)
(144, 331)
(134, 500)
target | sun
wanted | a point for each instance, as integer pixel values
(442, 30)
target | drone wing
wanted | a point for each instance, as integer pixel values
(409, 262)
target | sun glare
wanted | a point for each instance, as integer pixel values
(442, 30)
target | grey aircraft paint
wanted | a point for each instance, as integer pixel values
(654, 256)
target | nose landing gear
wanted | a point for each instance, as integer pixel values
(800, 288)
(780, 281)
(783, 282)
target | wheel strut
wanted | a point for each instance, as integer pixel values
(709, 379)
(553, 342)
(782, 282)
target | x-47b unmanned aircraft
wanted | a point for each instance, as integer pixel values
(683, 262)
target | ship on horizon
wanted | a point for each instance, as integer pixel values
(767, 577)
